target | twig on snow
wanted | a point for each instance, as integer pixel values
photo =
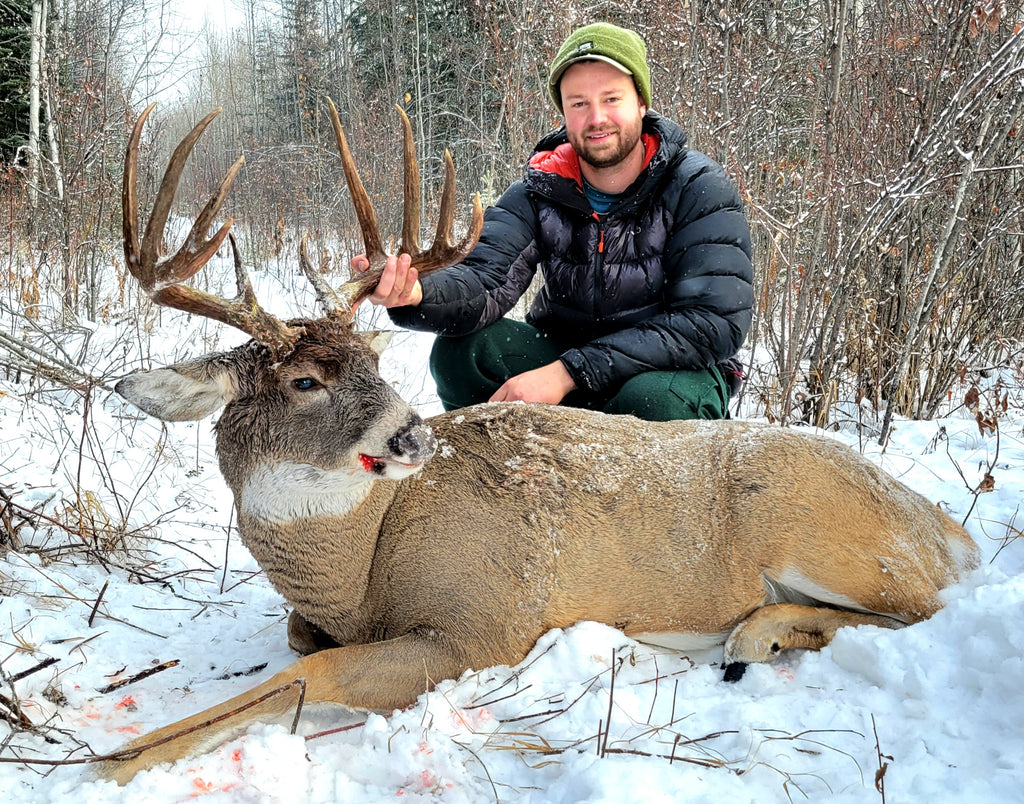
(124, 682)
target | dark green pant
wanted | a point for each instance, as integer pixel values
(470, 369)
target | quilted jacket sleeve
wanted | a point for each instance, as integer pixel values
(480, 290)
(708, 296)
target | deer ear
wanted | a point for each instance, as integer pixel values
(182, 392)
(377, 340)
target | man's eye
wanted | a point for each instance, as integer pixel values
(305, 383)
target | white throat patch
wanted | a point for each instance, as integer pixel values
(287, 491)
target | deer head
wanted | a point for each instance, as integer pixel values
(303, 394)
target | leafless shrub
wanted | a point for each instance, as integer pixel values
(877, 149)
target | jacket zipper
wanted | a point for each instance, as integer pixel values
(599, 262)
(600, 236)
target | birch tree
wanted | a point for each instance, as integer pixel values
(35, 77)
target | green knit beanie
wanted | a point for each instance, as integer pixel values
(603, 41)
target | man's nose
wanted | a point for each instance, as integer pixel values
(596, 115)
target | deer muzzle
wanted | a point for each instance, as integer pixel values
(414, 443)
(409, 448)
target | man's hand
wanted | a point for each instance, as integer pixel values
(548, 384)
(399, 285)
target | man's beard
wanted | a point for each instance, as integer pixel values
(599, 157)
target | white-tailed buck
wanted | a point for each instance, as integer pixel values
(411, 550)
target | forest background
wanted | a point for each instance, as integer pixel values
(877, 146)
(878, 149)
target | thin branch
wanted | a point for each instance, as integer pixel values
(132, 753)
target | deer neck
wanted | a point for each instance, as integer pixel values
(314, 533)
(290, 491)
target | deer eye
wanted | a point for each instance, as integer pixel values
(305, 384)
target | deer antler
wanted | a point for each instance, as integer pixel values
(163, 279)
(328, 300)
(442, 252)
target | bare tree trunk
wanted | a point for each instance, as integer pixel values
(51, 130)
(34, 81)
(836, 65)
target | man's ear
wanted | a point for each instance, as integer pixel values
(378, 340)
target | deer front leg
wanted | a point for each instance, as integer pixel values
(380, 676)
(305, 638)
(783, 626)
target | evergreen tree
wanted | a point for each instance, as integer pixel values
(429, 56)
(15, 42)
(302, 60)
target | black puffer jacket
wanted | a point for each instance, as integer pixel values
(661, 282)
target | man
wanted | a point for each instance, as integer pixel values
(643, 248)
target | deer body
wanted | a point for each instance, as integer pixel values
(411, 550)
(658, 529)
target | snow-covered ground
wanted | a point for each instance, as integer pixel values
(927, 713)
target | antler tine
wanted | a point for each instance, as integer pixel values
(165, 198)
(195, 253)
(328, 300)
(161, 279)
(410, 189)
(443, 252)
(446, 215)
(364, 209)
(130, 205)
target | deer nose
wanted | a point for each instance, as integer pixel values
(413, 443)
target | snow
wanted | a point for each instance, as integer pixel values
(590, 715)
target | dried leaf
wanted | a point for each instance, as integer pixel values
(972, 398)
(880, 777)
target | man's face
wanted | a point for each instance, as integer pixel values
(603, 112)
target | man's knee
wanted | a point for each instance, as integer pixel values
(454, 365)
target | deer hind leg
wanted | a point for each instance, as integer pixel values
(379, 676)
(782, 626)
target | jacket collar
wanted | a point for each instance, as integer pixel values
(553, 169)
(564, 161)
